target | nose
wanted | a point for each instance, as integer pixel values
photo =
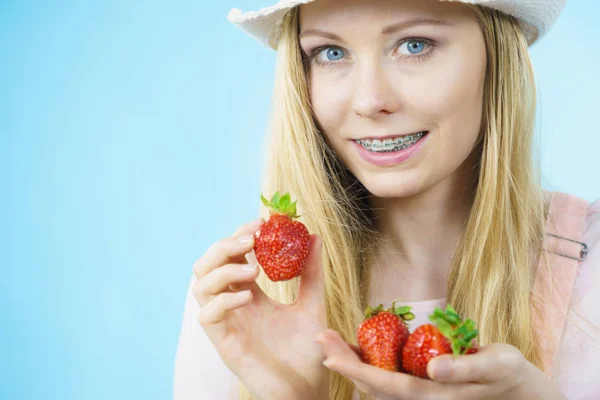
(374, 93)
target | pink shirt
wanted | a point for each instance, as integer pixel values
(200, 374)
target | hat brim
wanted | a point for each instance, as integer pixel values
(535, 17)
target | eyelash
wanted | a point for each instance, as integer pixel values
(313, 58)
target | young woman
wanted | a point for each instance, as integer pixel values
(404, 128)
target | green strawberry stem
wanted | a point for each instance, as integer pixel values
(281, 205)
(402, 312)
(459, 333)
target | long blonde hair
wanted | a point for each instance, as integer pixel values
(492, 272)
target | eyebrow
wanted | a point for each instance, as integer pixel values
(385, 31)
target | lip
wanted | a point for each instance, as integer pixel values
(389, 136)
(390, 158)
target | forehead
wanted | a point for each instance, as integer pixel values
(338, 13)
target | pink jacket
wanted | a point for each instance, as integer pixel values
(568, 321)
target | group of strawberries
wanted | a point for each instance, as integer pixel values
(385, 341)
(282, 246)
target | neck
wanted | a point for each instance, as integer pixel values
(421, 233)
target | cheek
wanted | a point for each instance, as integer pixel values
(330, 102)
(449, 97)
(457, 97)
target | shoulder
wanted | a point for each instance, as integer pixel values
(578, 219)
(580, 345)
(589, 280)
(560, 201)
(570, 216)
(569, 207)
(592, 231)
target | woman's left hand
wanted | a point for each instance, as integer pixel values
(496, 371)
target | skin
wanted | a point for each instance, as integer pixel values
(421, 205)
(496, 372)
(379, 88)
(366, 83)
(256, 337)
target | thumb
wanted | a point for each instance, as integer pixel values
(312, 281)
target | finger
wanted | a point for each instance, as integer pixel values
(244, 235)
(249, 228)
(251, 258)
(332, 345)
(335, 346)
(220, 279)
(312, 281)
(355, 349)
(216, 310)
(343, 359)
(490, 364)
(226, 251)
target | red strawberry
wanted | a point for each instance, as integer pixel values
(472, 350)
(450, 336)
(422, 345)
(281, 244)
(382, 335)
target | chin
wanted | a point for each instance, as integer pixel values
(395, 186)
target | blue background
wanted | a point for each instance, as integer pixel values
(131, 138)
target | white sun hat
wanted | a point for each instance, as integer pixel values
(535, 17)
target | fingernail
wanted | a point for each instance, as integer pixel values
(327, 363)
(443, 369)
(245, 239)
(243, 294)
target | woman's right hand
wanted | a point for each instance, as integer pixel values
(269, 346)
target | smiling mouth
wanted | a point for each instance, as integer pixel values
(391, 144)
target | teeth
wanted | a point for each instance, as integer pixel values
(390, 144)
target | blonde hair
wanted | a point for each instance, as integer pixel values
(492, 272)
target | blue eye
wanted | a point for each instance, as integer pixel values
(414, 46)
(333, 53)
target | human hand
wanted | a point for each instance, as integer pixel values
(256, 337)
(496, 371)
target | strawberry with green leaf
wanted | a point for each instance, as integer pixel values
(281, 244)
(382, 335)
(450, 336)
